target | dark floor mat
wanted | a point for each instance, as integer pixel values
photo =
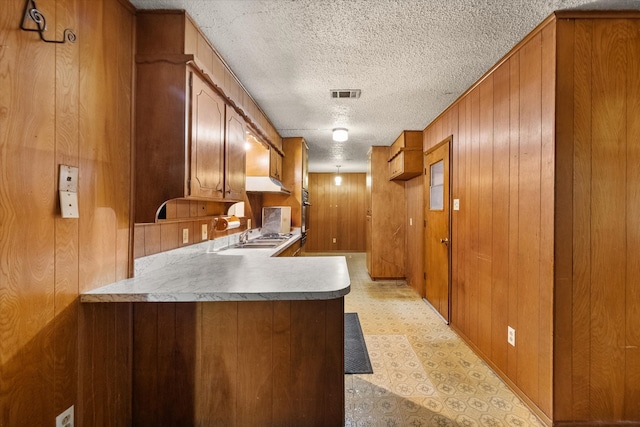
(356, 357)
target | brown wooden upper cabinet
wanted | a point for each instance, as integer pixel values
(262, 159)
(189, 142)
(191, 118)
(405, 156)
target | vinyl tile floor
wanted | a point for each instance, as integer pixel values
(424, 374)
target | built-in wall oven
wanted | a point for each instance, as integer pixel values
(305, 215)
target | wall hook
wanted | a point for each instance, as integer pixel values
(31, 12)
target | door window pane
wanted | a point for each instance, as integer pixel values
(436, 188)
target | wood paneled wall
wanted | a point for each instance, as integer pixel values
(65, 104)
(597, 234)
(181, 214)
(546, 238)
(414, 192)
(336, 212)
(502, 236)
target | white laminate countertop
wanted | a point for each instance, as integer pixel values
(232, 275)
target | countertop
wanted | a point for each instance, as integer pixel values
(232, 275)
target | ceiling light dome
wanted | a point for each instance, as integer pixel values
(340, 134)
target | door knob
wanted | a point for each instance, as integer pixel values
(445, 241)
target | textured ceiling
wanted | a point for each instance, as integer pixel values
(410, 58)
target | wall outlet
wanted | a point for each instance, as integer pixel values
(456, 204)
(205, 232)
(185, 235)
(334, 240)
(65, 419)
(511, 336)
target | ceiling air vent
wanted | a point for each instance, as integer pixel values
(345, 93)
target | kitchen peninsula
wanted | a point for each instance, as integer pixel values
(237, 338)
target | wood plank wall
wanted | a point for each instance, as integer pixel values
(549, 203)
(597, 239)
(336, 212)
(181, 214)
(502, 246)
(414, 193)
(65, 104)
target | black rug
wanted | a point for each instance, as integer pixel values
(356, 358)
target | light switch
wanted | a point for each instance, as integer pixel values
(69, 204)
(410, 221)
(456, 204)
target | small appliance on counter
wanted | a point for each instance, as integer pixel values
(276, 219)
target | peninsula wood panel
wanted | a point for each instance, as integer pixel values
(563, 187)
(336, 212)
(64, 104)
(239, 363)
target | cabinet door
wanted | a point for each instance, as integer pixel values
(207, 141)
(275, 164)
(235, 156)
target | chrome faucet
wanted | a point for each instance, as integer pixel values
(244, 237)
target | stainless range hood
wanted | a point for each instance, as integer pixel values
(264, 184)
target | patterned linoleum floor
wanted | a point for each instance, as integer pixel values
(424, 374)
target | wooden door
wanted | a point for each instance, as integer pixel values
(235, 156)
(438, 224)
(207, 141)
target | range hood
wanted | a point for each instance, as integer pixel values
(264, 184)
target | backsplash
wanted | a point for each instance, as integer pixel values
(181, 215)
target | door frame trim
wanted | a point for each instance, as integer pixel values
(447, 140)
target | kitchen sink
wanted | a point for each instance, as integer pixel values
(261, 240)
(256, 245)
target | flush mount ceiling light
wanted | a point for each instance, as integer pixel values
(340, 134)
(338, 179)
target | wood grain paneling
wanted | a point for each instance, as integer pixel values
(336, 212)
(485, 213)
(557, 158)
(632, 307)
(105, 140)
(414, 189)
(563, 239)
(608, 238)
(514, 176)
(239, 363)
(500, 217)
(386, 254)
(48, 92)
(547, 187)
